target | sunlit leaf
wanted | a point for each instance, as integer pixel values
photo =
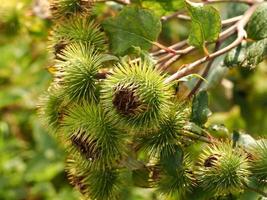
(206, 24)
(133, 27)
(162, 7)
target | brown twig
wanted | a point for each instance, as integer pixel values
(249, 2)
(173, 15)
(196, 137)
(241, 34)
(174, 46)
(165, 65)
(223, 35)
(232, 20)
(125, 2)
(180, 12)
(166, 49)
(225, 22)
(204, 74)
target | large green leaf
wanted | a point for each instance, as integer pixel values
(133, 27)
(200, 109)
(206, 24)
(162, 7)
(257, 25)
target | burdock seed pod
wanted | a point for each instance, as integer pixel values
(95, 136)
(77, 74)
(137, 95)
(52, 107)
(258, 166)
(223, 170)
(61, 9)
(76, 30)
(95, 184)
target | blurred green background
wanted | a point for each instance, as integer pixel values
(31, 162)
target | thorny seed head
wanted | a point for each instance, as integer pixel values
(223, 169)
(59, 49)
(87, 147)
(61, 9)
(126, 100)
(136, 93)
(210, 161)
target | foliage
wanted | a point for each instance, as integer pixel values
(161, 7)
(129, 21)
(206, 24)
(247, 54)
(257, 24)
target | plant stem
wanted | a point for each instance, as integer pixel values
(204, 74)
(249, 2)
(241, 34)
(172, 58)
(174, 46)
(223, 35)
(173, 15)
(256, 190)
(231, 20)
(196, 137)
(188, 18)
(125, 2)
(166, 49)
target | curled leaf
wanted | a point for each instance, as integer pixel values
(247, 55)
(257, 25)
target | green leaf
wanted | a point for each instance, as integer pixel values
(162, 7)
(132, 27)
(236, 9)
(247, 55)
(257, 25)
(200, 109)
(206, 24)
(196, 36)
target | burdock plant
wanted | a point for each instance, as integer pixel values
(126, 118)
